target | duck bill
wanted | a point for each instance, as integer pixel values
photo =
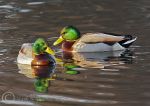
(58, 41)
(50, 51)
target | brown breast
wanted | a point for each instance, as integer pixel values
(42, 60)
(67, 46)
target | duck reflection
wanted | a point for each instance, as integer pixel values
(68, 64)
(70, 68)
(97, 60)
(43, 77)
(42, 74)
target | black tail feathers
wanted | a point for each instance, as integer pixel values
(127, 41)
(128, 37)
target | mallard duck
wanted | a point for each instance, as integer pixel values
(37, 53)
(92, 42)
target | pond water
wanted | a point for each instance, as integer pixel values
(103, 79)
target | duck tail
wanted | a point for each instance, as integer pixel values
(127, 41)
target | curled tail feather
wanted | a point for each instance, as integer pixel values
(128, 41)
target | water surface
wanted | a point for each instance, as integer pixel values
(112, 79)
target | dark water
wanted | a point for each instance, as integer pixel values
(104, 79)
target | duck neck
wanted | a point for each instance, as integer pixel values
(67, 45)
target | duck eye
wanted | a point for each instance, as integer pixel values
(45, 48)
(63, 33)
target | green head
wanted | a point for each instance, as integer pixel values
(69, 33)
(40, 46)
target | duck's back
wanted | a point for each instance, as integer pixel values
(98, 42)
(99, 38)
(25, 54)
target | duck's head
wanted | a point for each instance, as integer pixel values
(40, 47)
(69, 33)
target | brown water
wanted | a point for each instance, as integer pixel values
(104, 79)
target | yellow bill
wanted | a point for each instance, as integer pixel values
(58, 41)
(58, 60)
(50, 51)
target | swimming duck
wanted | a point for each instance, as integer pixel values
(92, 42)
(37, 53)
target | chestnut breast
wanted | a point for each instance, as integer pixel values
(42, 60)
(67, 46)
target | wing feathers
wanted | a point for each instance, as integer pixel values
(99, 37)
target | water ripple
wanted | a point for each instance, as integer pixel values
(71, 99)
(105, 86)
(35, 3)
(109, 73)
(6, 26)
(25, 10)
(1, 40)
(105, 94)
(110, 69)
(3, 50)
(6, 6)
(14, 102)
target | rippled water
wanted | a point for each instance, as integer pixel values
(112, 78)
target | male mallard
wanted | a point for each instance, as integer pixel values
(92, 42)
(37, 53)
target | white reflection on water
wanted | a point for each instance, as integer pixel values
(35, 3)
(3, 50)
(71, 99)
(109, 73)
(108, 79)
(143, 53)
(1, 41)
(25, 10)
(79, 69)
(105, 94)
(14, 102)
(7, 6)
(111, 70)
(105, 86)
